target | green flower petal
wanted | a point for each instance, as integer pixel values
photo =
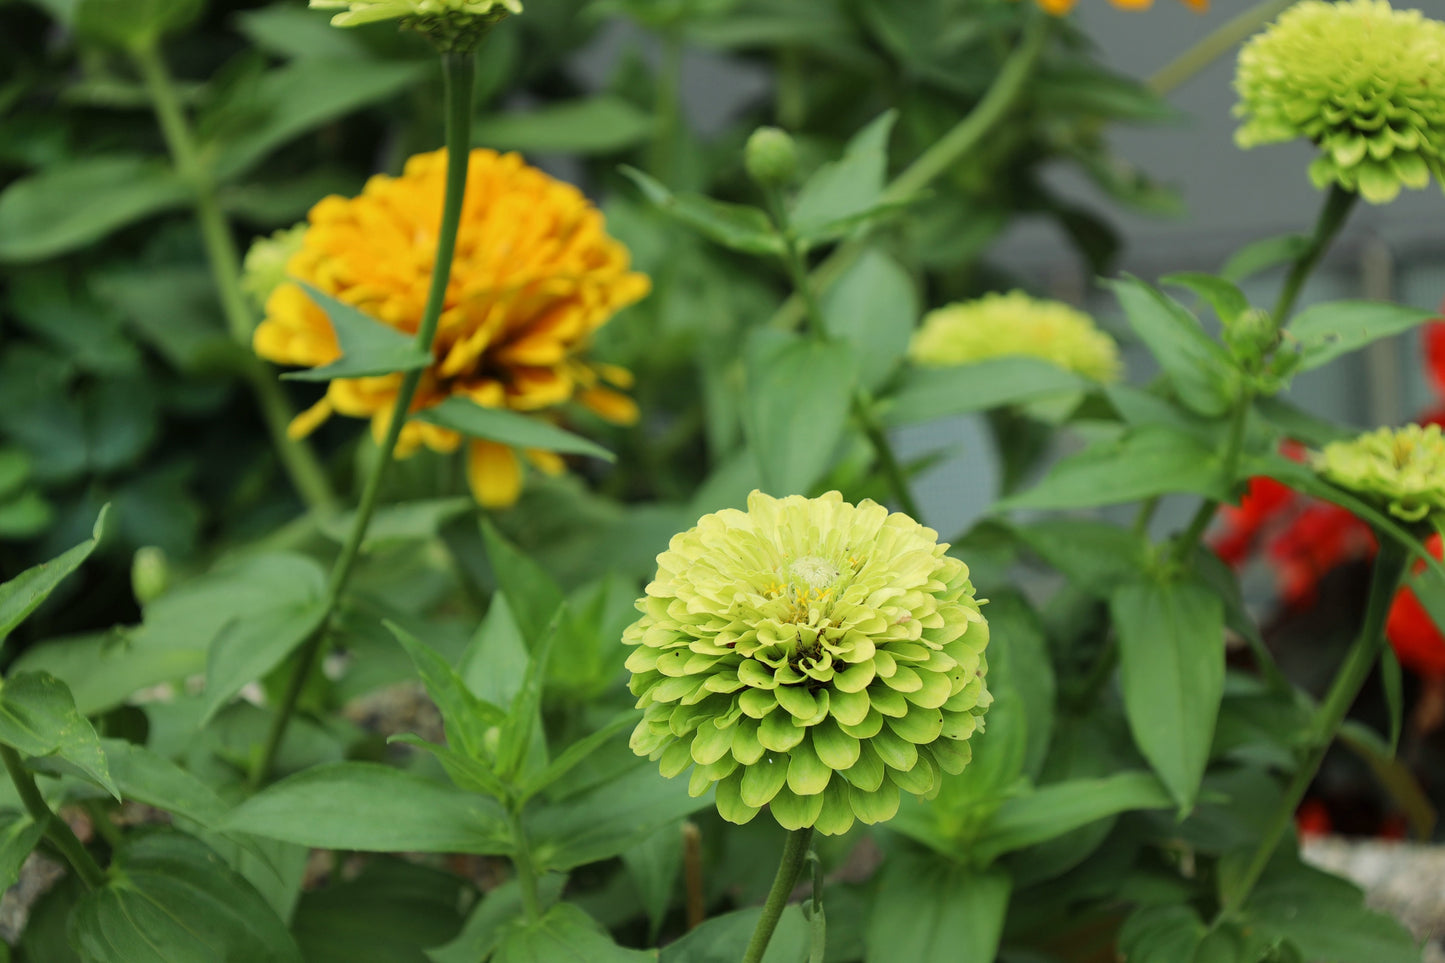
(779, 733)
(793, 811)
(836, 817)
(834, 747)
(730, 805)
(807, 774)
(877, 806)
(761, 782)
(711, 743)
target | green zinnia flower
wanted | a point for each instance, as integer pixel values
(1363, 81)
(811, 656)
(1014, 324)
(265, 267)
(368, 11)
(1402, 469)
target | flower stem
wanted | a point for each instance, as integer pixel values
(1229, 467)
(57, 831)
(526, 870)
(940, 158)
(297, 458)
(1215, 45)
(803, 288)
(795, 853)
(1333, 215)
(1359, 661)
(458, 70)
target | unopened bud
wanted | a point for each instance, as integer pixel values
(1252, 335)
(149, 574)
(771, 157)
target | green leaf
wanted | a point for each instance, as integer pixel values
(368, 347)
(1202, 372)
(1085, 88)
(609, 819)
(23, 594)
(256, 640)
(1264, 254)
(1061, 807)
(415, 521)
(303, 96)
(491, 919)
(1171, 651)
(798, 397)
(723, 939)
(873, 307)
(509, 428)
(1325, 917)
(146, 777)
(292, 32)
(103, 669)
(734, 226)
(1096, 556)
(392, 912)
(495, 661)
(533, 597)
(72, 204)
(1165, 933)
(1227, 300)
(573, 756)
(932, 910)
(591, 125)
(134, 24)
(465, 772)
(373, 808)
(565, 934)
(929, 393)
(1326, 331)
(465, 717)
(1144, 462)
(848, 186)
(18, 836)
(654, 865)
(38, 717)
(169, 899)
(1018, 659)
(523, 738)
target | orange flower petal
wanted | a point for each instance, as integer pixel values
(309, 420)
(547, 462)
(611, 405)
(494, 474)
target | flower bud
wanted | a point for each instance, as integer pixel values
(1252, 335)
(149, 574)
(771, 157)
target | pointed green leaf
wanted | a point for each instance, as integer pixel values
(1326, 331)
(368, 347)
(798, 395)
(929, 393)
(724, 939)
(1264, 254)
(509, 428)
(932, 910)
(1227, 300)
(533, 596)
(495, 661)
(565, 934)
(874, 307)
(473, 775)
(849, 185)
(1203, 373)
(576, 753)
(18, 836)
(734, 226)
(1053, 810)
(38, 718)
(23, 594)
(466, 717)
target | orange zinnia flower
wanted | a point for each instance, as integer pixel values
(535, 274)
(1060, 7)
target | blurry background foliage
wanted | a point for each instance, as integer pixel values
(119, 384)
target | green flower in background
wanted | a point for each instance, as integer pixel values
(811, 656)
(1011, 325)
(1364, 82)
(265, 267)
(1403, 469)
(368, 11)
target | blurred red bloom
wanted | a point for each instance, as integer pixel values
(1313, 819)
(1416, 639)
(1318, 540)
(1261, 505)
(1434, 338)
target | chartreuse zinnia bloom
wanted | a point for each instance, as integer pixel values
(357, 12)
(535, 275)
(1012, 325)
(811, 656)
(1400, 469)
(1364, 82)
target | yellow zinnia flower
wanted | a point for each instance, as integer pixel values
(1060, 7)
(535, 274)
(1015, 325)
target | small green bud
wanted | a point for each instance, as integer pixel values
(149, 574)
(1252, 335)
(771, 157)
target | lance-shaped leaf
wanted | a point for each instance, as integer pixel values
(23, 594)
(839, 192)
(509, 428)
(734, 226)
(38, 718)
(368, 347)
(1326, 331)
(1202, 371)
(797, 405)
(933, 910)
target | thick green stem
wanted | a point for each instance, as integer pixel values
(1215, 45)
(458, 69)
(299, 461)
(57, 831)
(795, 853)
(803, 288)
(1333, 215)
(1349, 680)
(986, 115)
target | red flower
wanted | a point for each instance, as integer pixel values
(1313, 819)
(1434, 338)
(1321, 538)
(1265, 500)
(1417, 641)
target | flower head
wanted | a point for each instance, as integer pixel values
(1401, 469)
(1060, 7)
(535, 274)
(368, 11)
(1014, 324)
(811, 656)
(1364, 82)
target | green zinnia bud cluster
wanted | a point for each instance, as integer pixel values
(1015, 325)
(1401, 469)
(1364, 82)
(811, 656)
